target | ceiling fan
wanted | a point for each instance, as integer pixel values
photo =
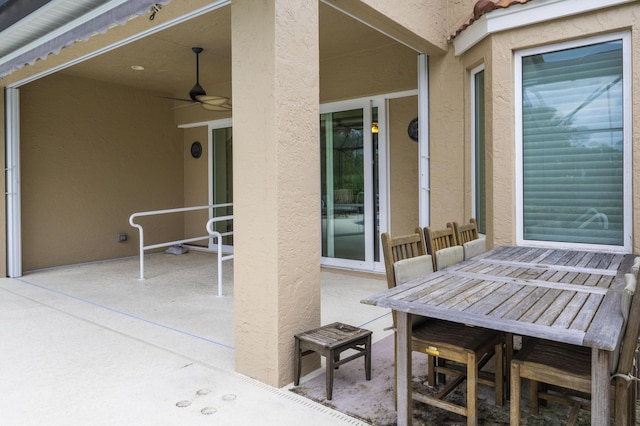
(199, 96)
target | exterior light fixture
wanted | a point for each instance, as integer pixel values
(374, 127)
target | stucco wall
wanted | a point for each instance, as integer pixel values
(447, 170)
(196, 180)
(390, 68)
(403, 167)
(421, 24)
(457, 12)
(93, 154)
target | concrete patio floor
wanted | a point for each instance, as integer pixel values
(93, 345)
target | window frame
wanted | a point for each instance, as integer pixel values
(475, 189)
(627, 76)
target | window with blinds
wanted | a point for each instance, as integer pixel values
(573, 145)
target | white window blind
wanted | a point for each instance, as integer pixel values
(573, 145)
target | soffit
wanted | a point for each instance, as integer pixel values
(170, 64)
(46, 19)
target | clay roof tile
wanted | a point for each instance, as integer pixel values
(483, 7)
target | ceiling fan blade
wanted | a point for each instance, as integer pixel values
(212, 100)
(176, 99)
(185, 105)
(209, 107)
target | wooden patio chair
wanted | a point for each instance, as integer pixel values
(405, 260)
(468, 237)
(467, 232)
(565, 369)
(443, 247)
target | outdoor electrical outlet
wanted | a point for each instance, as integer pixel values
(122, 237)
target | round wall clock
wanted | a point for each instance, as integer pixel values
(412, 130)
(196, 149)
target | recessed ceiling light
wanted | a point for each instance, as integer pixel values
(137, 67)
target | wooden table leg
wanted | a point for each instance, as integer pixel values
(403, 357)
(600, 409)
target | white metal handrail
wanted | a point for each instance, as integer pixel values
(215, 234)
(170, 243)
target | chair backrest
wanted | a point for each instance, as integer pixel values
(399, 248)
(406, 270)
(400, 251)
(343, 196)
(631, 333)
(467, 232)
(439, 239)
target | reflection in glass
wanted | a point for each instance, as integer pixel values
(572, 130)
(342, 185)
(223, 179)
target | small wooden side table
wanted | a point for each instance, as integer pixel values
(330, 341)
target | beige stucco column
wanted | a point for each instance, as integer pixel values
(276, 182)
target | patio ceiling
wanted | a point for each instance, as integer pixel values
(169, 63)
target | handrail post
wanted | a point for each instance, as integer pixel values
(141, 233)
(218, 236)
(141, 254)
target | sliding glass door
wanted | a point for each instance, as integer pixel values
(349, 186)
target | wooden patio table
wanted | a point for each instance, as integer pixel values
(567, 296)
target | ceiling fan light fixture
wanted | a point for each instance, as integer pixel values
(196, 91)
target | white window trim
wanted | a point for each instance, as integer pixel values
(627, 140)
(474, 189)
(517, 16)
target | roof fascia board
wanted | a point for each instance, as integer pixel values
(522, 15)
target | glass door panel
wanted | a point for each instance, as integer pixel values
(222, 178)
(342, 185)
(376, 184)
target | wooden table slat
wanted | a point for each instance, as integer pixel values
(475, 292)
(443, 294)
(555, 309)
(500, 297)
(583, 320)
(521, 308)
(538, 308)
